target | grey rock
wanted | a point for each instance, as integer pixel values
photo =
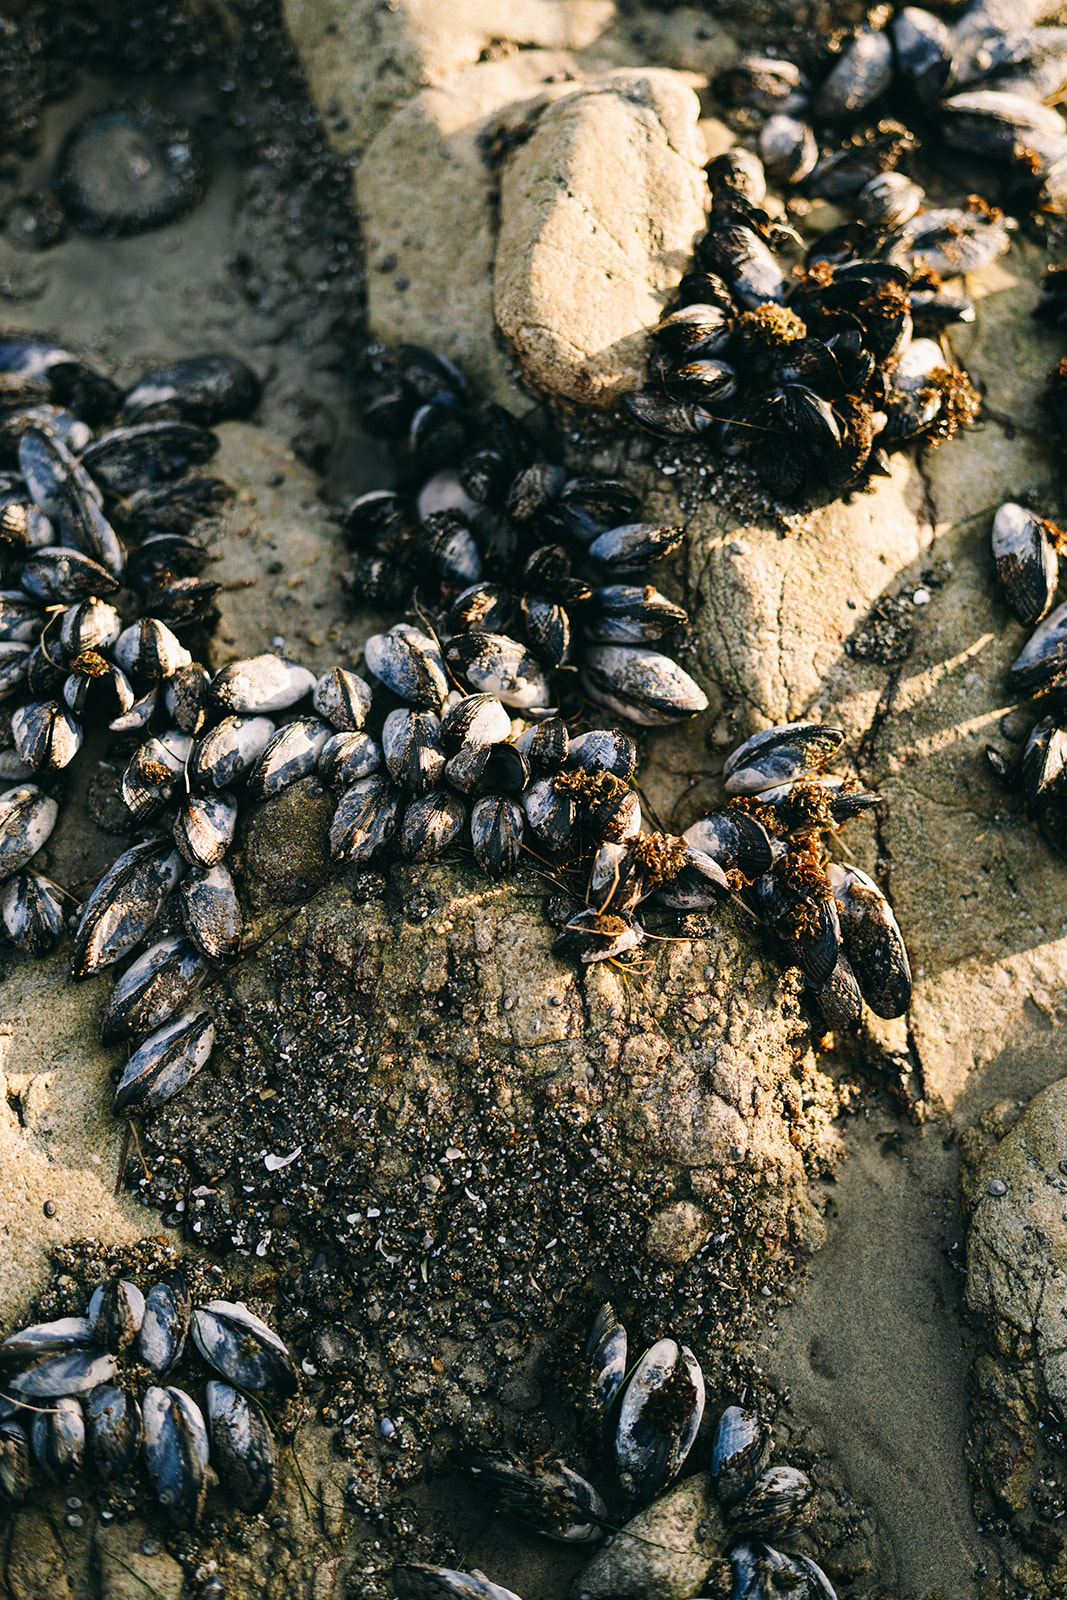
(661, 1554)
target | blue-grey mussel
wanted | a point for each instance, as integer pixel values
(649, 1420)
(811, 378)
(71, 1402)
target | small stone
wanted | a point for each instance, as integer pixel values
(663, 1552)
(676, 1233)
(996, 1186)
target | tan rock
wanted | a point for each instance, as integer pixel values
(367, 60)
(425, 193)
(676, 1233)
(665, 1550)
(598, 213)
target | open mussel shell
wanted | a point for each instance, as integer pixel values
(176, 1453)
(166, 1062)
(740, 1449)
(242, 1452)
(57, 1437)
(781, 1502)
(659, 1417)
(163, 1332)
(116, 1311)
(552, 1498)
(243, 1349)
(113, 1424)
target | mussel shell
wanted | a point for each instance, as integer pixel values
(740, 1449)
(781, 1502)
(605, 1352)
(863, 73)
(226, 751)
(260, 684)
(475, 720)
(69, 1372)
(839, 999)
(159, 983)
(211, 912)
(416, 1581)
(604, 750)
(431, 823)
(367, 815)
(493, 664)
(873, 941)
(163, 1332)
(777, 754)
(57, 1437)
(27, 817)
(242, 1452)
(243, 1348)
(124, 905)
(658, 1421)
(14, 666)
(599, 935)
(45, 1338)
(148, 652)
(1045, 652)
(343, 698)
(734, 840)
(488, 769)
(116, 1311)
(113, 1424)
(176, 1452)
(551, 1498)
(1026, 561)
(202, 389)
(496, 834)
(205, 826)
(549, 813)
(545, 746)
(47, 737)
(635, 544)
(409, 663)
(16, 1463)
(699, 883)
(648, 688)
(31, 913)
(411, 745)
(290, 755)
(348, 757)
(166, 1061)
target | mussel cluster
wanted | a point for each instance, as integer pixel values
(982, 86)
(63, 1408)
(813, 380)
(649, 1420)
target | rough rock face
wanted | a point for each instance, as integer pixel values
(598, 212)
(1015, 1182)
(665, 1550)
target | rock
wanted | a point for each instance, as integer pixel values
(661, 1554)
(287, 850)
(677, 1232)
(598, 212)
(132, 1563)
(365, 61)
(426, 196)
(1017, 1246)
(35, 1568)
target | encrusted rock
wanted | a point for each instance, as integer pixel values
(598, 212)
(677, 1232)
(661, 1554)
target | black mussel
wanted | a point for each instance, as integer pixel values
(181, 601)
(410, 664)
(888, 200)
(243, 1348)
(124, 905)
(343, 699)
(781, 1501)
(69, 498)
(14, 666)
(166, 1061)
(545, 745)
(431, 823)
(174, 507)
(242, 1452)
(763, 83)
(787, 148)
(205, 826)
(1045, 652)
(491, 663)
(796, 902)
(97, 687)
(475, 720)
(988, 122)
(551, 1498)
(159, 983)
(87, 625)
(46, 1338)
(16, 1463)
(598, 936)
(849, 168)
(148, 652)
(126, 169)
(922, 45)
(211, 912)
(735, 840)
(56, 575)
(625, 614)
(1043, 766)
(496, 824)
(740, 256)
(21, 620)
(534, 488)
(185, 697)
(113, 1425)
(167, 1310)
(71, 1372)
(587, 507)
(415, 1581)
(497, 768)
(143, 453)
(670, 419)
(777, 754)
(485, 606)
(290, 755)
(348, 757)
(948, 242)
(31, 913)
(154, 771)
(738, 169)
(605, 1352)
(229, 749)
(873, 941)
(47, 737)
(695, 330)
(659, 1417)
(697, 883)
(549, 811)
(839, 999)
(260, 684)
(57, 1437)
(740, 1449)
(640, 685)
(445, 540)
(367, 816)
(411, 745)
(162, 555)
(604, 750)
(548, 629)
(176, 1452)
(1025, 552)
(634, 545)
(862, 75)
(27, 817)
(202, 389)
(115, 1313)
